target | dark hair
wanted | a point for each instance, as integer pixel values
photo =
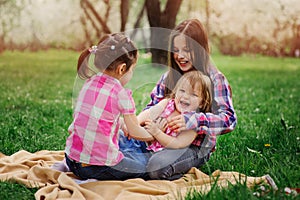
(112, 50)
(197, 42)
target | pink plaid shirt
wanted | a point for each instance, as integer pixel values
(169, 109)
(94, 131)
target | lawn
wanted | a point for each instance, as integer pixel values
(36, 110)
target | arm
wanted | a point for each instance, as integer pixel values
(184, 139)
(153, 112)
(135, 130)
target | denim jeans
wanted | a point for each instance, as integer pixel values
(168, 164)
(134, 149)
(171, 164)
(126, 169)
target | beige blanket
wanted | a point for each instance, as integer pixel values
(34, 170)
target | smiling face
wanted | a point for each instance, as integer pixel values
(193, 93)
(187, 98)
(182, 53)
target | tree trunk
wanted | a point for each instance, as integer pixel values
(138, 20)
(97, 16)
(124, 13)
(163, 19)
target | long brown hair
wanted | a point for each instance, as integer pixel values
(111, 50)
(197, 42)
(197, 80)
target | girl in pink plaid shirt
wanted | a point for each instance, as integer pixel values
(92, 148)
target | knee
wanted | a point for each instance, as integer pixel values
(157, 170)
(158, 175)
(154, 163)
(155, 175)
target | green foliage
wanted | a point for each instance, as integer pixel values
(36, 110)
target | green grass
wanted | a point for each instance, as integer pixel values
(36, 110)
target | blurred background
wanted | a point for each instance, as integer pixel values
(235, 26)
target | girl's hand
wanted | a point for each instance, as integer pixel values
(177, 123)
(162, 123)
(126, 133)
(124, 128)
(157, 126)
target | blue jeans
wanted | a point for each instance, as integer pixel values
(126, 169)
(168, 164)
(134, 149)
(172, 164)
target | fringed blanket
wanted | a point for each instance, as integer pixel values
(35, 170)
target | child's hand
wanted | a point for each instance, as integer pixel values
(126, 133)
(162, 123)
(155, 127)
(177, 123)
(152, 127)
(124, 128)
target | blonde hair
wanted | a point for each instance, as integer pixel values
(202, 83)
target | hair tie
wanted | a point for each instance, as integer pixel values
(93, 49)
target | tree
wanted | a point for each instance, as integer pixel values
(164, 19)
(124, 11)
(95, 18)
(98, 22)
(156, 17)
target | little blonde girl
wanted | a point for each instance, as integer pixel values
(92, 148)
(192, 93)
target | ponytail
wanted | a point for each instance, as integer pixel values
(83, 70)
(111, 50)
